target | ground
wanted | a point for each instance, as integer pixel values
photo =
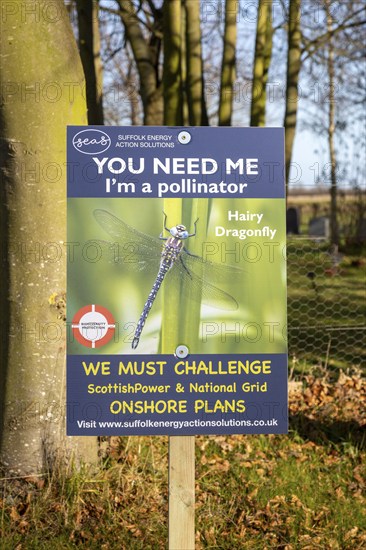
(303, 490)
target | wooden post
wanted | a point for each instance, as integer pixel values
(181, 493)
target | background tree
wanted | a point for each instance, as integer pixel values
(332, 58)
(195, 81)
(146, 52)
(136, 49)
(228, 66)
(292, 80)
(307, 46)
(331, 128)
(173, 91)
(43, 85)
(89, 47)
(262, 60)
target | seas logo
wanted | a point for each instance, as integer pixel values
(91, 142)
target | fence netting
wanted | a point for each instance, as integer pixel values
(326, 304)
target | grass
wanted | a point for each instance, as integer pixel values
(326, 305)
(301, 491)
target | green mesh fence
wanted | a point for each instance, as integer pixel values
(326, 304)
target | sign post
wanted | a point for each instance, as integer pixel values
(181, 493)
(176, 290)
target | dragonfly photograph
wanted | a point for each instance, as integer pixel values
(167, 279)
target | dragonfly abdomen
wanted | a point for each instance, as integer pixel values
(164, 268)
(169, 255)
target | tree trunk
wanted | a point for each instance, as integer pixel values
(184, 68)
(173, 97)
(292, 81)
(89, 47)
(146, 63)
(42, 80)
(267, 57)
(228, 69)
(331, 130)
(194, 83)
(262, 60)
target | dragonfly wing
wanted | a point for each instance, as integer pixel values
(211, 272)
(129, 247)
(197, 288)
(128, 255)
(216, 297)
(119, 230)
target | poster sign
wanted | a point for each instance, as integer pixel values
(176, 281)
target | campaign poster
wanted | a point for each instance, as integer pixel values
(176, 298)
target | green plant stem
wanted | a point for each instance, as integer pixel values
(170, 303)
(191, 312)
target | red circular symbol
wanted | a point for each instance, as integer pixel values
(93, 326)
